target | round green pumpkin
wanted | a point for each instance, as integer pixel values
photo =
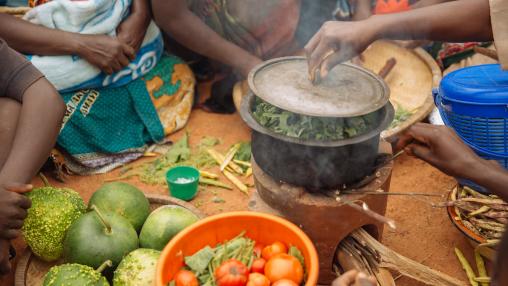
(137, 268)
(75, 274)
(123, 199)
(96, 237)
(52, 213)
(163, 224)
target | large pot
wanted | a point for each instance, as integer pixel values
(315, 165)
(348, 91)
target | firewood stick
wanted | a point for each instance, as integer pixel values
(366, 210)
(393, 260)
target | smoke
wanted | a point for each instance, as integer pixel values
(313, 14)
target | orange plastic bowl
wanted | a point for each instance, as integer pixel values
(262, 228)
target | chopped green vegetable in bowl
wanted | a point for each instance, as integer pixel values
(401, 115)
(309, 127)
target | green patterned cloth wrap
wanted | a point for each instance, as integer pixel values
(107, 127)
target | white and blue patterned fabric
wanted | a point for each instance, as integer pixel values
(99, 17)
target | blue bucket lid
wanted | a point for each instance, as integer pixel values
(483, 84)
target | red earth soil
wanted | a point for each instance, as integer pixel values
(424, 233)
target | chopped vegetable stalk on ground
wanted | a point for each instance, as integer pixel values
(208, 175)
(480, 265)
(244, 153)
(211, 182)
(219, 158)
(241, 186)
(467, 267)
(180, 154)
(243, 163)
(229, 156)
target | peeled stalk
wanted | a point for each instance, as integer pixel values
(208, 175)
(214, 183)
(229, 156)
(480, 265)
(467, 267)
(241, 186)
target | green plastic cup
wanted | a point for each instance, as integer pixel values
(183, 182)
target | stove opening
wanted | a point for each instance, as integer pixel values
(346, 247)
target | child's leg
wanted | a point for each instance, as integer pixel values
(9, 115)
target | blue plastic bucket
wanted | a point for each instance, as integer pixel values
(474, 102)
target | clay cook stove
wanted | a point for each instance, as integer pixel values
(324, 219)
(312, 183)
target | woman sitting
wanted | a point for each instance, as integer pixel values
(106, 59)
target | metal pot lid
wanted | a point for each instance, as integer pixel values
(347, 91)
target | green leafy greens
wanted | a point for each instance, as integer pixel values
(180, 154)
(204, 262)
(401, 115)
(310, 127)
(244, 152)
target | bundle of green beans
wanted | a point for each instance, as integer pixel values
(309, 127)
(485, 215)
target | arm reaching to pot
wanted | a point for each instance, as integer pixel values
(336, 42)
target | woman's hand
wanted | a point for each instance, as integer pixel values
(13, 209)
(132, 31)
(443, 149)
(107, 53)
(337, 42)
(354, 278)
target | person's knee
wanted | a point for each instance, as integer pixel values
(57, 100)
(50, 96)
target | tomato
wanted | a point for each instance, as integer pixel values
(273, 249)
(258, 266)
(256, 279)
(284, 282)
(258, 248)
(186, 278)
(284, 266)
(232, 273)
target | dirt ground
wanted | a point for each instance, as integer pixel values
(424, 234)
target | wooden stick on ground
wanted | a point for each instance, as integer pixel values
(392, 260)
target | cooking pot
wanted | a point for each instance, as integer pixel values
(317, 165)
